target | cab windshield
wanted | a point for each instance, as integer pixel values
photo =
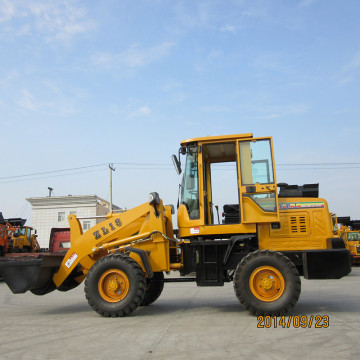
(20, 232)
(190, 183)
(353, 236)
(334, 222)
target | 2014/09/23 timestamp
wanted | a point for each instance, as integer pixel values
(296, 321)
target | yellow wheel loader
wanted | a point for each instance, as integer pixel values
(262, 239)
(350, 232)
(20, 237)
(22, 240)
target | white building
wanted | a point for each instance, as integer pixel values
(52, 212)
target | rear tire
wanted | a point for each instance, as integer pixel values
(115, 285)
(154, 288)
(70, 282)
(267, 283)
(68, 285)
(44, 289)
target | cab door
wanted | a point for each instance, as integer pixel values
(257, 181)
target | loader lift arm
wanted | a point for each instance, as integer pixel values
(144, 228)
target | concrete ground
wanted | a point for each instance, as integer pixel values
(186, 322)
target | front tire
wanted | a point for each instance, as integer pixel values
(115, 285)
(267, 283)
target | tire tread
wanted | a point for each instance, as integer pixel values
(243, 296)
(139, 293)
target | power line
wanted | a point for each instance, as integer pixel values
(294, 169)
(50, 172)
(300, 164)
(158, 166)
(79, 168)
(319, 164)
(143, 164)
(325, 168)
(48, 177)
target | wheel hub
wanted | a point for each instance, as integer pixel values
(267, 283)
(113, 285)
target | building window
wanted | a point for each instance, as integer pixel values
(61, 216)
(73, 212)
(86, 225)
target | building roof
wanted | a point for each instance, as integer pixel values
(69, 201)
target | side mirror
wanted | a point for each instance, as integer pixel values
(177, 164)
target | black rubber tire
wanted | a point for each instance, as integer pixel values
(136, 289)
(44, 289)
(154, 288)
(70, 282)
(68, 285)
(287, 269)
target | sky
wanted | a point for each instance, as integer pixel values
(88, 83)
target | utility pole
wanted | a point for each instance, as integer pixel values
(111, 170)
(50, 190)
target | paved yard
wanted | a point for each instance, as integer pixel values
(186, 322)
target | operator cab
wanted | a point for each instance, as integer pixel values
(228, 185)
(353, 236)
(23, 232)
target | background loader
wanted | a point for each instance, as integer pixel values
(6, 231)
(16, 237)
(264, 241)
(349, 230)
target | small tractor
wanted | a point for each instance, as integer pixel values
(22, 239)
(15, 237)
(350, 232)
(263, 242)
(6, 231)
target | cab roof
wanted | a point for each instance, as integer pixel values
(216, 138)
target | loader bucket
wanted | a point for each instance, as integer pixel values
(30, 273)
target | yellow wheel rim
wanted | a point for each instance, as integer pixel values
(267, 283)
(113, 285)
